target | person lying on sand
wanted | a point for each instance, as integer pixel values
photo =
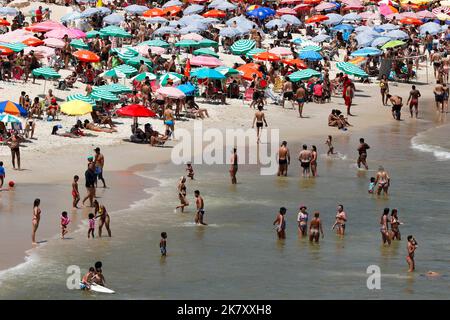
(65, 134)
(93, 127)
(158, 139)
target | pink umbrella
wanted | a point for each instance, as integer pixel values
(61, 32)
(171, 92)
(409, 15)
(280, 51)
(354, 7)
(425, 14)
(325, 6)
(18, 35)
(54, 43)
(391, 16)
(385, 10)
(286, 11)
(192, 36)
(205, 61)
(368, 15)
(291, 1)
(302, 7)
(78, 33)
(352, 2)
(45, 26)
(41, 52)
(157, 50)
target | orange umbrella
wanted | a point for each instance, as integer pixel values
(3, 22)
(413, 21)
(296, 63)
(266, 56)
(313, 2)
(86, 56)
(155, 12)
(33, 42)
(214, 14)
(5, 51)
(316, 18)
(172, 10)
(248, 70)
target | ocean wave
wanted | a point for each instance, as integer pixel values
(438, 152)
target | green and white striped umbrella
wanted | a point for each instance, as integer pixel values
(227, 71)
(103, 95)
(242, 46)
(115, 88)
(303, 75)
(125, 53)
(206, 43)
(351, 69)
(92, 34)
(136, 62)
(79, 44)
(311, 48)
(7, 118)
(176, 78)
(254, 51)
(186, 43)
(155, 43)
(205, 52)
(141, 76)
(16, 47)
(46, 72)
(114, 31)
(113, 73)
(128, 70)
(79, 96)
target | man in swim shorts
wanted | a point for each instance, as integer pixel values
(288, 92)
(397, 105)
(413, 101)
(284, 159)
(362, 150)
(260, 120)
(300, 95)
(99, 163)
(200, 203)
(305, 160)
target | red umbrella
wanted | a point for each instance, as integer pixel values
(313, 2)
(3, 22)
(135, 110)
(172, 10)
(86, 56)
(302, 7)
(316, 18)
(296, 63)
(215, 14)
(5, 51)
(33, 42)
(412, 21)
(155, 12)
(266, 56)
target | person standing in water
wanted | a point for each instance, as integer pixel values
(341, 219)
(101, 212)
(90, 184)
(65, 220)
(413, 101)
(75, 192)
(280, 223)
(384, 227)
(182, 194)
(397, 104)
(259, 119)
(302, 220)
(329, 143)
(99, 164)
(411, 247)
(383, 180)
(362, 150)
(314, 156)
(163, 244)
(315, 228)
(284, 159)
(200, 203)
(305, 160)
(234, 166)
(36, 219)
(395, 223)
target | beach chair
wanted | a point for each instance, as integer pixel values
(248, 95)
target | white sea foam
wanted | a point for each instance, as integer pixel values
(440, 153)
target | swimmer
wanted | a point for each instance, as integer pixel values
(302, 220)
(182, 194)
(91, 224)
(75, 192)
(190, 171)
(329, 143)
(411, 247)
(284, 159)
(200, 203)
(341, 219)
(260, 120)
(315, 228)
(280, 223)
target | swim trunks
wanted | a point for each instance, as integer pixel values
(288, 95)
(168, 122)
(305, 164)
(259, 124)
(282, 161)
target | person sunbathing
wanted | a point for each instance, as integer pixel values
(93, 127)
(197, 112)
(104, 119)
(66, 134)
(158, 139)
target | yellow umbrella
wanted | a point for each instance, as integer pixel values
(76, 108)
(417, 2)
(443, 16)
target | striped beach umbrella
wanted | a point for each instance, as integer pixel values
(155, 43)
(7, 118)
(136, 62)
(186, 43)
(113, 73)
(311, 48)
(46, 72)
(242, 46)
(76, 108)
(12, 108)
(206, 43)
(125, 53)
(254, 51)
(227, 71)
(175, 77)
(303, 75)
(93, 34)
(310, 55)
(81, 97)
(115, 88)
(79, 44)
(103, 95)
(205, 52)
(128, 70)
(114, 31)
(351, 69)
(143, 75)
(16, 46)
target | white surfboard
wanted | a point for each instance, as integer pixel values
(98, 288)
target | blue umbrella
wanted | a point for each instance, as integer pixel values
(189, 29)
(363, 29)
(293, 20)
(166, 30)
(136, 9)
(364, 40)
(209, 21)
(176, 23)
(75, 15)
(386, 27)
(310, 55)
(276, 23)
(229, 32)
(261, 13)
(364, 52)
(343, 27)
(351, 17)
(430, 27)
(114, 19)
(397, 34)
(333, 19)
(5, 11)
(187, 20)
(380, 41)
(173, 3)
(195, 8)
(225, 6)
(240, 21)
(321, 38)
(188, 89)
(207, 73)
(155, 20)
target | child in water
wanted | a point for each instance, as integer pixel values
(371, 185)
(64, 223)
(91, 225)
(163, 244)
(190, 171)
(2, 174)
(75, 192)
(330, 146)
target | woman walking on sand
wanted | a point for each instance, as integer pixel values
(36, 219)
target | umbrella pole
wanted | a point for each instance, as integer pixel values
(45, 84)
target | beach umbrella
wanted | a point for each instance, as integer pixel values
(135, 9)
(254, 51)
(386, 27)
(242, 46)
(311, 48)
(155, 20)
(209, 21)
(155, 12)
(364, 52)
(343, 27)
(441, 10)
(45, 26)
(141, 76)
(286, 10)
(266, 56)
(188, 89)
(15, 47)
(281, 51)
(128, 70)
(136, 62)
(194, 8)
(351, 17)
(166, 30)
(291, 19)
(333, 19)
(192, 36)
(442, 17)
(317, 18)
(171, 92)
(59, 33)
(325, 6)
(206, 43)
(172, 3)
(172, 10)
(74, 15)
(392, 44)
(186, 43)
(299, 64)
(5, 11)
(411, 21)
(33, 42)
(227, 71)
(86, 56)
(310, 55)
(397, 34)
(261, 13)
(240, 20)
(215, 14)
(430, 27)
(247, 71)
(205, 61)
(13, 108)
(89, 12)
(92, 34)
(351, 69)
(321, 38)
(125, 53)
(369, 15)
(425, 14)
(377, 42)
(4, 22)
(115, 88)
(276, 23)
(361, 29)
(135, 111)
(205, 52)
(207, 73)
(54, 43)
(79, 44)
(76, 108)
(408, 14)
(303, 75)
(7, 118)
(225, 6)
(114, 19)
(46, 72)
(81, 97)
(229, 32)
(364, 40)
(175, 77)
(114, 74)
(115, 31)
(104, 95)
(155, 43)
